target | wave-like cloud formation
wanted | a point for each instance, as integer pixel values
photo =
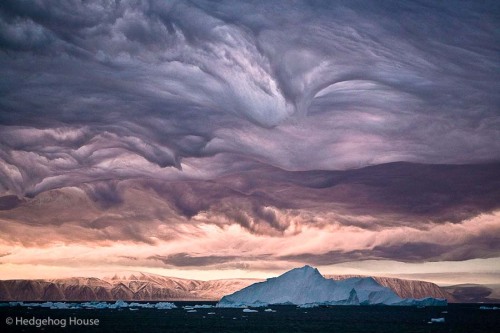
(222, 113)
(400, 211)
(88, 88)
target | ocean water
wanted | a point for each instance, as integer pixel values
(458, 318)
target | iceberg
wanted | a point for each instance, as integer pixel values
(437, 320)
(249, 310)
(202, 306)
(306, 287)
(165, 306)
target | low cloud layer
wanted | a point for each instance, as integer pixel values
(269, 218)
(146, 122)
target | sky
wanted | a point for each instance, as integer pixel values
(221, 139)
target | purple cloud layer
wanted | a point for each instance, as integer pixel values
(270, 116)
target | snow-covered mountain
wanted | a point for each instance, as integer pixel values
(307, 287)
(137, 286)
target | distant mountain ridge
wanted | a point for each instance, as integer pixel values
(137, 286)
(133, 287)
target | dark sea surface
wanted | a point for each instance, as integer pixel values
(465, 318)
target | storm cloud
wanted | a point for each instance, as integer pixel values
(144, 122)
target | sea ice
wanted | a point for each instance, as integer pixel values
(249, 310)
(97, 305)
(437, 320)
(202, 306)
(165, 306)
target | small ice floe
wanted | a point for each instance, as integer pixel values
(94, 305)
(118, 304)
(141, 305)
(165, 306)
(202, 306)
(191, 311)
(12, 304)
(133, 309)
(211, 313)
(436, 320)
(249, 310)
(54, 305)
(269, 310)
(197, 306)
(489, 308)
(308, 305)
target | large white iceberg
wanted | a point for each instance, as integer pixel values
(306, 287)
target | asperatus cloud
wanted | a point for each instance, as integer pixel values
(208, 139)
